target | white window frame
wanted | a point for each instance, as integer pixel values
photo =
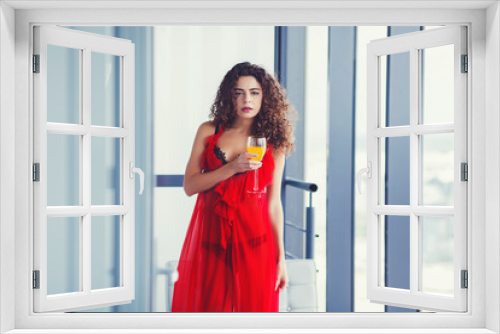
(86, 43)
(483, 147)
(413, 43)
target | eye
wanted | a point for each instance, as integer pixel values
(255, 93)
(238, 93)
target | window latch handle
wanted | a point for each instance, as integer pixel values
(132, 171)
(368, 172)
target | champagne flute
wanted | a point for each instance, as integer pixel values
(256, 145)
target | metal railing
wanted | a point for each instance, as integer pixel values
(309, 230)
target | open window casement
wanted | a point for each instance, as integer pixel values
(431, 141)
(83, 169)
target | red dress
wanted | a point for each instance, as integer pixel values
(228, 260)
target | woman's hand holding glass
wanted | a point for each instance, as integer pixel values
(244, 163)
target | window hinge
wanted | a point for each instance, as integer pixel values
(465, 279)
(36, 63)
(36, 172)
(465, 64)
(36, 279)
(464, 171)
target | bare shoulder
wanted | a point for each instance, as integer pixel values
(206, 129)
(279, 154)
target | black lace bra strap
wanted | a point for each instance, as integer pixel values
(217, 129)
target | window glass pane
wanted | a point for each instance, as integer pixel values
(105, 89)
(63, 255)
(105, 239)
(436, 254)
(63, 169)
(437, 169)
(395, 251)
(63, 84)
(397, 91)
(437, 79)
(106, 182)
(381, 238)
(395, 170)
(383, 90)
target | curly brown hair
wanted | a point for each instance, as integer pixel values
(274, 121)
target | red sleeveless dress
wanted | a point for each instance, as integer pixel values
(228, 260)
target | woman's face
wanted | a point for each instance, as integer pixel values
(247, 97)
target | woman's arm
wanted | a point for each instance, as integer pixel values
(276, 216)
(195, 181)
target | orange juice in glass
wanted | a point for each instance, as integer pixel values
(256, 150)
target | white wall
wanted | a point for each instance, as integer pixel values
(7, 188)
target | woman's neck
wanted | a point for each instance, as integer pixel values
(243, 126)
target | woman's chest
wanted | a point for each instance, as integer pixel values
(232, 145)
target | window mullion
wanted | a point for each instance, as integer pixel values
(85, 244)
(66, 129)
(428, 129)
(373, 183)
(405, 210)
(414, 170)
(77, 129)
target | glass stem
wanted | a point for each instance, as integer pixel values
(256, 180)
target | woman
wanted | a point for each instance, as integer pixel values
(233, 255)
